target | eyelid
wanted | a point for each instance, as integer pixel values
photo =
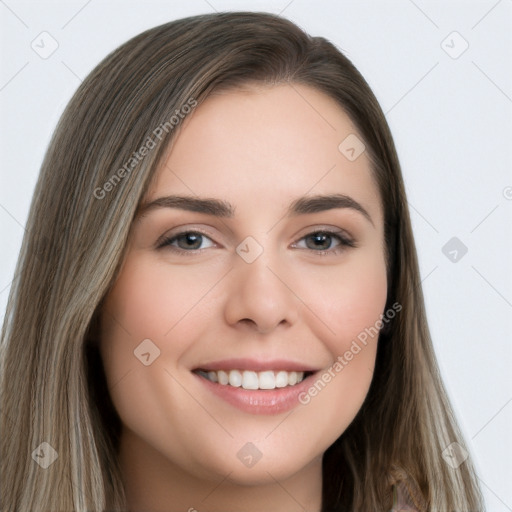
(331, 230)
(346, 240)
(163, 240)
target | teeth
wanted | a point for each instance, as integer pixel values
(222, 377)
(281, 379)
(235, 378)
(249, 380)
(267, 380)
(254, 380)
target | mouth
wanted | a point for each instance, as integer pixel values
(256, 387)
(253, 380)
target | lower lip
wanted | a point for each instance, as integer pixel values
(257, 401)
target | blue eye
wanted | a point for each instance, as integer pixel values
(188, 241)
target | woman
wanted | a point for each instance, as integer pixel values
(218, 303)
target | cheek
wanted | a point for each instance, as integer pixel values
(153, 298)
(152, 301)
(348, 300)
(349, 303)
(169, 306)
(344, 305)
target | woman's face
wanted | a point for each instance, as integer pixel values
(258, 260)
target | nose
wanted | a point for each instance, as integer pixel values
(259, 298)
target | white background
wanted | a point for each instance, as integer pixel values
(452, 123)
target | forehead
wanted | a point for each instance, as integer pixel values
(269, 144)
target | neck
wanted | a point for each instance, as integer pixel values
(153, 483)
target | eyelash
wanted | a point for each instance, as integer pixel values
(344, 242)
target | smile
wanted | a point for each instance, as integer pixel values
(248, 379)
(255, 386)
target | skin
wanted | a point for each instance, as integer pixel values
(265, 148)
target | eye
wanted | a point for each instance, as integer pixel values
(324, 242)
(187, 241)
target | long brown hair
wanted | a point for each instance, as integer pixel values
(53, 386)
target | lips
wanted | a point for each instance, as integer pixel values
(255, 386)
(257, 365)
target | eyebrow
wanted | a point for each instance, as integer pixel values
(301, 206)
(192, 204)
(315, 204)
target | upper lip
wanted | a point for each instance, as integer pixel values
(257, 365)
